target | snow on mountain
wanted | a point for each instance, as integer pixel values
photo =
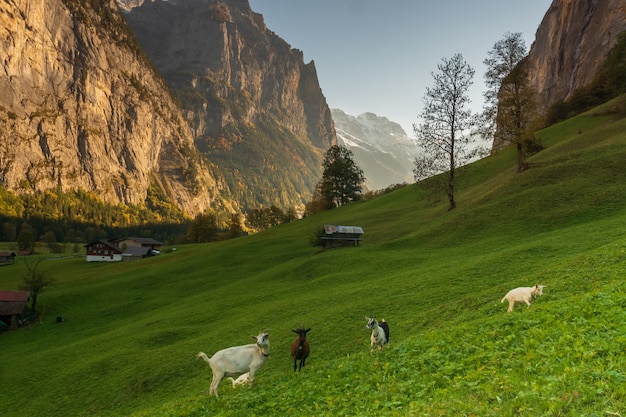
(381, 148)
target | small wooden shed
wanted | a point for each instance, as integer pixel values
(7, 257)
(335, 235)
(12, 305)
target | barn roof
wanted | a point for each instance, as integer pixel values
(7, 254)
(142, 240)
(136, 251)
(330, 229)
(13, 302)
(106, 243)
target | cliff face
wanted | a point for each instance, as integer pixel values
(256, 109)
(571, 44)
(80, 109)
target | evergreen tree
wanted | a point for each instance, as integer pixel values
(26, 238)
(342, 179)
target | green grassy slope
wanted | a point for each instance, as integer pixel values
(132, 330)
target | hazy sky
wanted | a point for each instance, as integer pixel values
(377, 56)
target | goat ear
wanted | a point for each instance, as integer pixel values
(307, 330)
(295, 331)
(254, 337)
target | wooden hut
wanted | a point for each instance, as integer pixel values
(12, 305)
(335, 235)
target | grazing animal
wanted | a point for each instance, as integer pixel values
(380, 333)
(238, 360)
(522, 295)
(300, 348)
(241, 380)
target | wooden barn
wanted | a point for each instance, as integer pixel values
(7, 257)
(335, 235)
(12, 306)
(151, 245)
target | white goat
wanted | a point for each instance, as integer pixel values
(238, 360)
(243, 379)
(522, 295)
(380, 333)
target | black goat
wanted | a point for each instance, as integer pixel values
(300, 348)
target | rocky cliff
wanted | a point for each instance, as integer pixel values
(256, 109)
(571, 44)
(81, 108)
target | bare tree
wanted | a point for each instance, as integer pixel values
(35, 281)
(446, 123)
(510, 102)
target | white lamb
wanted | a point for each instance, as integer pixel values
(241, 380)
(522, 295)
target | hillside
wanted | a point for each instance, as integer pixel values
(132, 330)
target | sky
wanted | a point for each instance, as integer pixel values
(379, 55)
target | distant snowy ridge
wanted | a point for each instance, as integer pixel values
(381, 148)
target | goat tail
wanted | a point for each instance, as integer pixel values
(203, 356)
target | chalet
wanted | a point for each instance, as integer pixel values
(7, 257)
(12, 305)
(103, 251)
(335, 235)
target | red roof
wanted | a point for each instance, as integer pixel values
(13, 302)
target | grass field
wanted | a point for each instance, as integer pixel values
(132, 330)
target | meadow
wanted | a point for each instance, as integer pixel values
(131, 332)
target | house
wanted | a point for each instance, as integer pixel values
(335, 235)
(127, 249)
(103, 251)
(7, 257)
(12, 305)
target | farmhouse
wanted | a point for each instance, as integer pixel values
(341, 235)
(12, 305)
(103, 251)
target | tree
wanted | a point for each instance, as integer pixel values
(203, 228)
(35, 281)
(510, 102)
(26, 238)
(319, 202)
(446, 122)
(342, 179)
(264, 218)
(235, 228)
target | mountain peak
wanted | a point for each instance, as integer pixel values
(381, 147)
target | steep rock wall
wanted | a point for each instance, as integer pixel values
(256, 109)
(571, 44)
(80, 109)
